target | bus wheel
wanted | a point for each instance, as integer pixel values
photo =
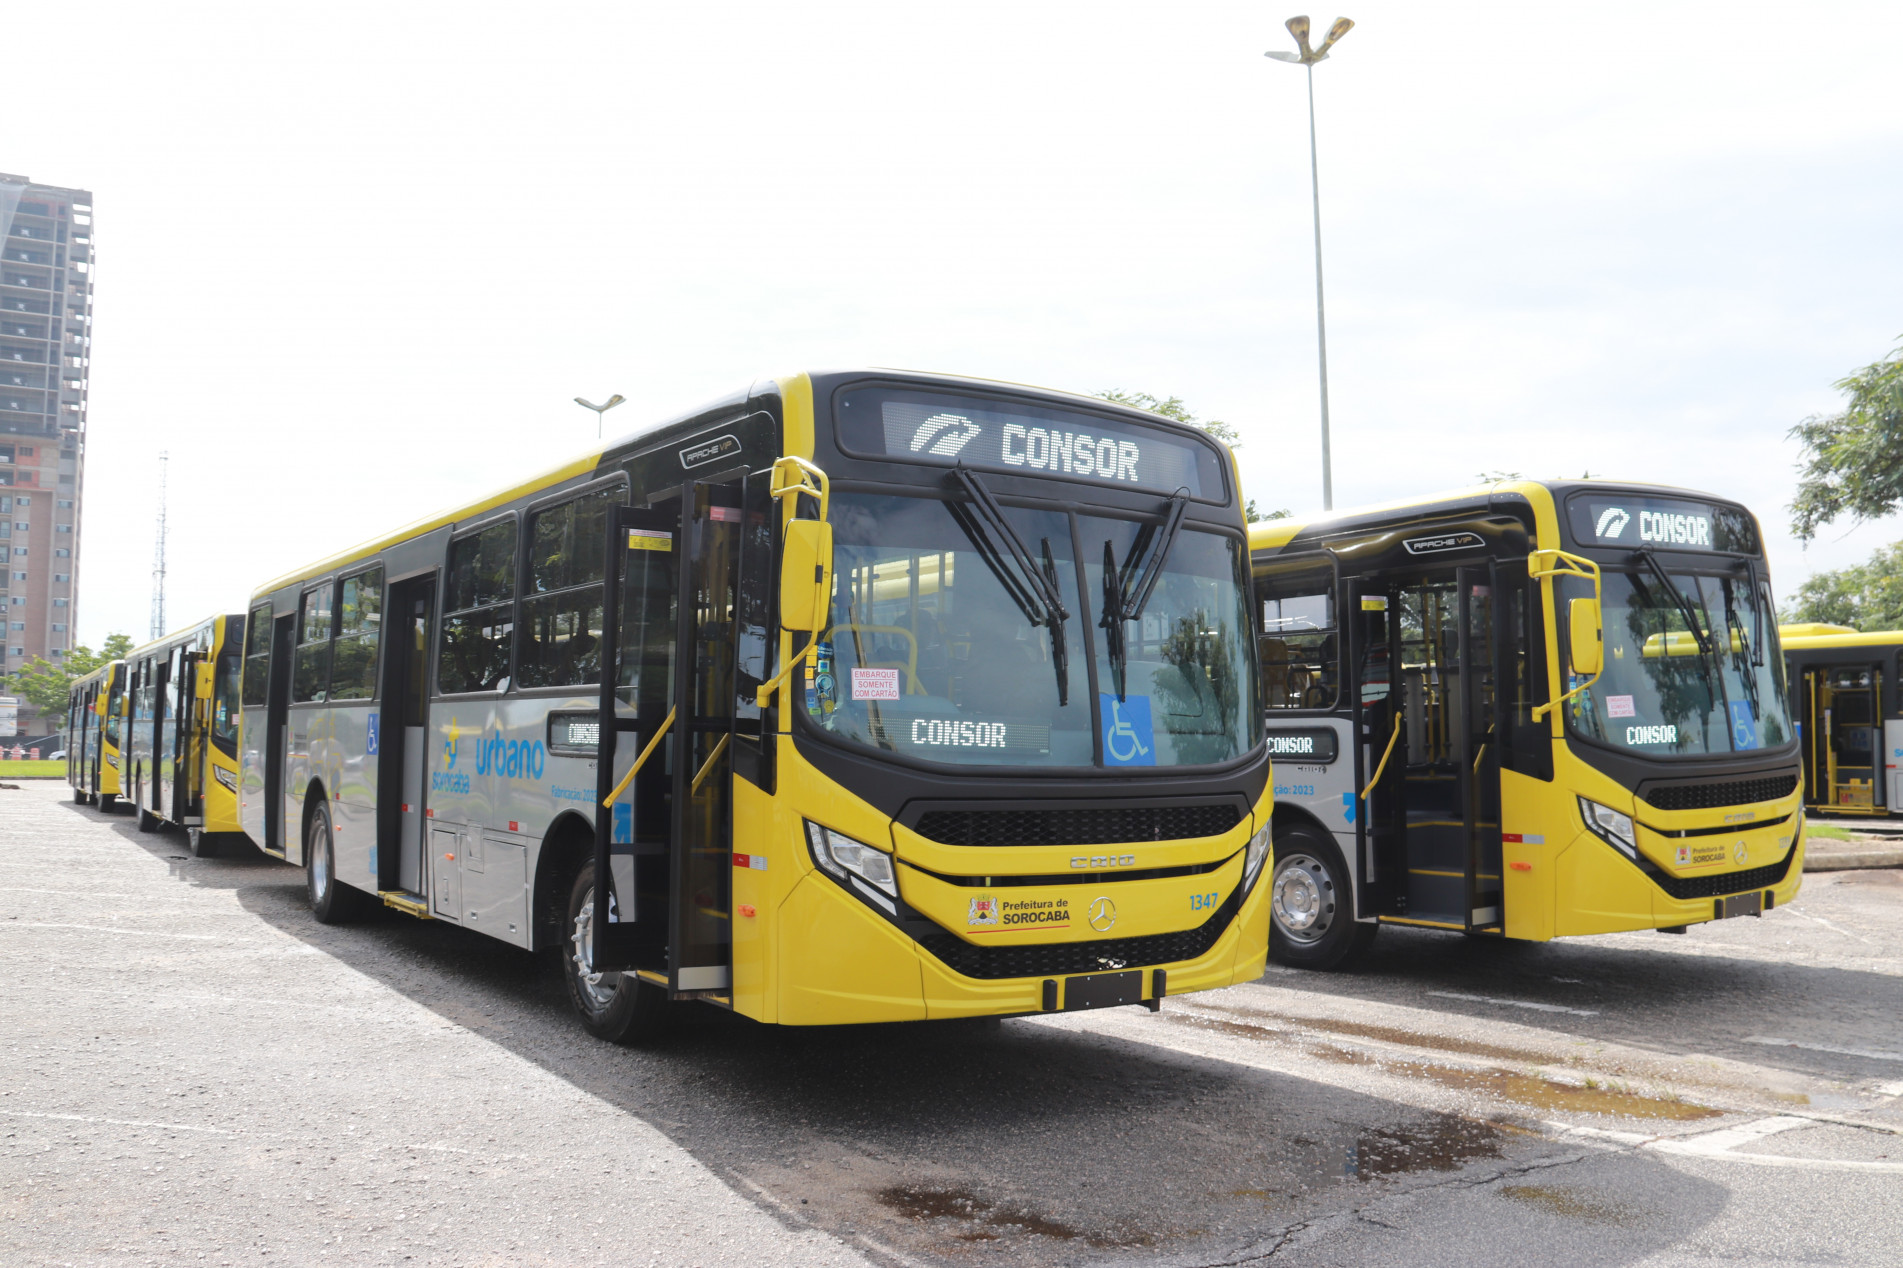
(200, 843)
(618, 1007)
(79, 796)
(1312, 922)
(332, 901)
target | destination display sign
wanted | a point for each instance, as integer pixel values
(1018, 437)
(1314, 745)
(574, 734)
(1660, 523)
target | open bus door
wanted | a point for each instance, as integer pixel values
(663, 827)
(1843, 732)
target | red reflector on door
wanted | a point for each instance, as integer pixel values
(1521, 867)
(513, 827)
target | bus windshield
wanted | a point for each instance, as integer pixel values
(940, 648)
(1692, 664)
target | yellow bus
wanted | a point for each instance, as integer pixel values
(180, 759)
(95, 705)
(1528, 710)
(1846, 696)
(852, 697)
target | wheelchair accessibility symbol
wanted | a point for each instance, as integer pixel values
(1128, 738)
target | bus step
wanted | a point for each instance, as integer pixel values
(405, 902)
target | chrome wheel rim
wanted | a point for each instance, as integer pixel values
(319, 859)
(597, 988)
(1302, 898)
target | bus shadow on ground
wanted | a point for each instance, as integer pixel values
(1025, 1143)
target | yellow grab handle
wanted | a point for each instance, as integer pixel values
(640, 761)
(707, 767)
(1385, 755)
(1545, 565)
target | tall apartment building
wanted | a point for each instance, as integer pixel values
(46, 297)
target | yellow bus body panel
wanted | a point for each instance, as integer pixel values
(815, 954)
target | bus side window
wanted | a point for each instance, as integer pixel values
(359, 623)
(479, 612)
(257, 656)
(312, 678)
(562, 594)
(1300, 656)
(1529, 746)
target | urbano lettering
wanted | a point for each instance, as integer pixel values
(1073, 453)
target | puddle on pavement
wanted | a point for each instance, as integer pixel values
(1552, 1095)
(1391, 1034)
(1527, 1089)
(1569, 1203)
(984, 1220)
(1443, 1143)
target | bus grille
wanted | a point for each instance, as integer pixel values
(1737, 792)
(1053, 959)
(1683, 887)
(1107, 825)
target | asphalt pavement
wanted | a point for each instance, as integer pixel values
(193, 1071)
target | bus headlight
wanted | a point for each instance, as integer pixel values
(1252, 860)
(225, 777)
(865, 868)
(1610, 826)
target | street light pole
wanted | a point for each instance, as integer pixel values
(600, 409)
(1298, 27)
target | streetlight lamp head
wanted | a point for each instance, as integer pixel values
(614, 400)
(1298, 27)
(1342, 27)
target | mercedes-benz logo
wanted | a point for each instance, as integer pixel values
(1103, 914)
(1739, 852)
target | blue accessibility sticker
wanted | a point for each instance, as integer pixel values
(370, 748)
(1744, 728)
(1128, 737)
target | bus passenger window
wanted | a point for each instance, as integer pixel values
(478, 612)
(312, 678)
(257, 656)
(562, 607)
(359, 621)
(1299, 650)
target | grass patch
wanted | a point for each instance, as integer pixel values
(31, 770)
(1828, 832)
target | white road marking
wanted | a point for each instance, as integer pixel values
(143, 933)
(1723, 1144)
(1771, 1042)
(1519, 1003)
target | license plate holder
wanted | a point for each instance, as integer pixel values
(1751, 904)
(1103, 990)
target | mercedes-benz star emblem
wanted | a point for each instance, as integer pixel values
(1103, 914)
(1739, 852)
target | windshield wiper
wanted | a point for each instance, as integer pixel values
(1035, 590)
(1684, 605)
(1126, 591)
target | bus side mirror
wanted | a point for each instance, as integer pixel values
(806, 574)
(205, 684)
(1587, 637)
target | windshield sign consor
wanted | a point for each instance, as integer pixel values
(1662, 523)
(1008, 436)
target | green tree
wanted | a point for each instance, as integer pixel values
(1866, 596)
(1853, 460)
(46, 685)
(1172, 407)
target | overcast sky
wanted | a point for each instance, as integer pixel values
(356, 260)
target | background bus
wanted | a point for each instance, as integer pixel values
(1445, 715)
(1848, 699)
(905, 696)
(181, 752)
(94, 705)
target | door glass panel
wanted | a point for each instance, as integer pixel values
(705, 853)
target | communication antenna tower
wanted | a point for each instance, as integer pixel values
(158, 558)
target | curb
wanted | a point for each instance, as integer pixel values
(1852, 860)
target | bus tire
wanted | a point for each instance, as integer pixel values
(623, 1010)
(1312, 922)
(332, 901)
(79, 795)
